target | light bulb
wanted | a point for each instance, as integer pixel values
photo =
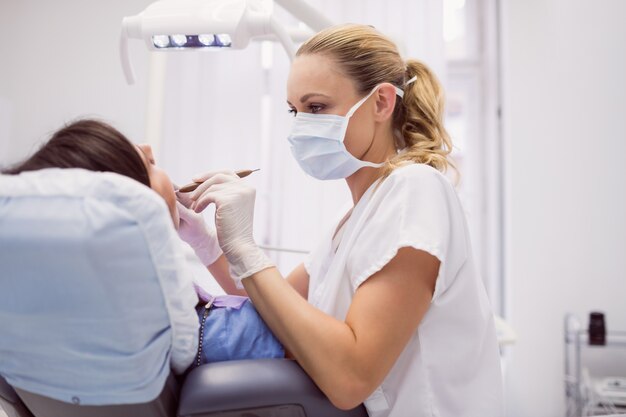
(206, 40)
(223, 40)
(179, 40)
(161, 41)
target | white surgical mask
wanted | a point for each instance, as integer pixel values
(317, 143)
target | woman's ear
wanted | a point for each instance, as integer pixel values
(385, 102)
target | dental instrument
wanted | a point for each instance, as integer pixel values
(192, 186)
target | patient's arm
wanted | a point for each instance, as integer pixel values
(219, 270)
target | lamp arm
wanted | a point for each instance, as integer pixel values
(297, 35)
(306, 13)
(127, 66)
(283, 37)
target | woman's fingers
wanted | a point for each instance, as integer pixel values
(218, 178)
(217, 193)
(221, 188)
(184, 212)
(203, 202)
(224, 194)
(184, 199)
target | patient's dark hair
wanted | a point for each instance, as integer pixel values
(88, 144)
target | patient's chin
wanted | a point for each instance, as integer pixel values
(170, 200)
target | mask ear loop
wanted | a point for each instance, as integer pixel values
(401, 92)
(411, 80)
(358, 104)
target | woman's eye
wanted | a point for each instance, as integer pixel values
(311, 108)
(316, 108)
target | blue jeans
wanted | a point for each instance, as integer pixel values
(232, 334)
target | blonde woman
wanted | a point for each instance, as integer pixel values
(389, 310)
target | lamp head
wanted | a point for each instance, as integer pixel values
(183, 24)
(194, 24)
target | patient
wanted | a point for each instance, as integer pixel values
(230, 327)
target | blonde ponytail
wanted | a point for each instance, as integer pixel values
(418, 121)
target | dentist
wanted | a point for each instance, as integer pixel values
(389, 310)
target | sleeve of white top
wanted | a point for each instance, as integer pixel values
(312, 261)
(414, 207)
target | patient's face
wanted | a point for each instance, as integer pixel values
(160, 182)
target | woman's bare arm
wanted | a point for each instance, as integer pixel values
(349, 359)
(298, 278)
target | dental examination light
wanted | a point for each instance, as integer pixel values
(174, 25)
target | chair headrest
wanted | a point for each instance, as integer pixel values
(84, 257)
(63, 230)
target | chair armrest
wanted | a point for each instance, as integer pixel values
(252, 385)
(11, 402)
(7, 392)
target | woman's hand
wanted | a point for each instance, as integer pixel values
(194, 231)
(234, 216)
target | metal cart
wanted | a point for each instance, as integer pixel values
(581, 391)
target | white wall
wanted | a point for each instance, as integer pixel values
(564, 66)
(59, 61)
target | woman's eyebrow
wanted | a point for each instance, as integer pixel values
(305, 97)
(309, 95)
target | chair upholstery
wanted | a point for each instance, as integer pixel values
(10, 402)
(87, 259)
(252, 388)
(164, 405)
(262, 387)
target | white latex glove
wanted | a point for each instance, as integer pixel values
(195, 232)
(234, 214)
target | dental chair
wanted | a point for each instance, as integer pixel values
(81, 241)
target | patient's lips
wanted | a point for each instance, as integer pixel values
(192, 186)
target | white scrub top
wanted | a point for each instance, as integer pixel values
(451, 365)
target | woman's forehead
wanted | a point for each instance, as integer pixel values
(315, 74)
